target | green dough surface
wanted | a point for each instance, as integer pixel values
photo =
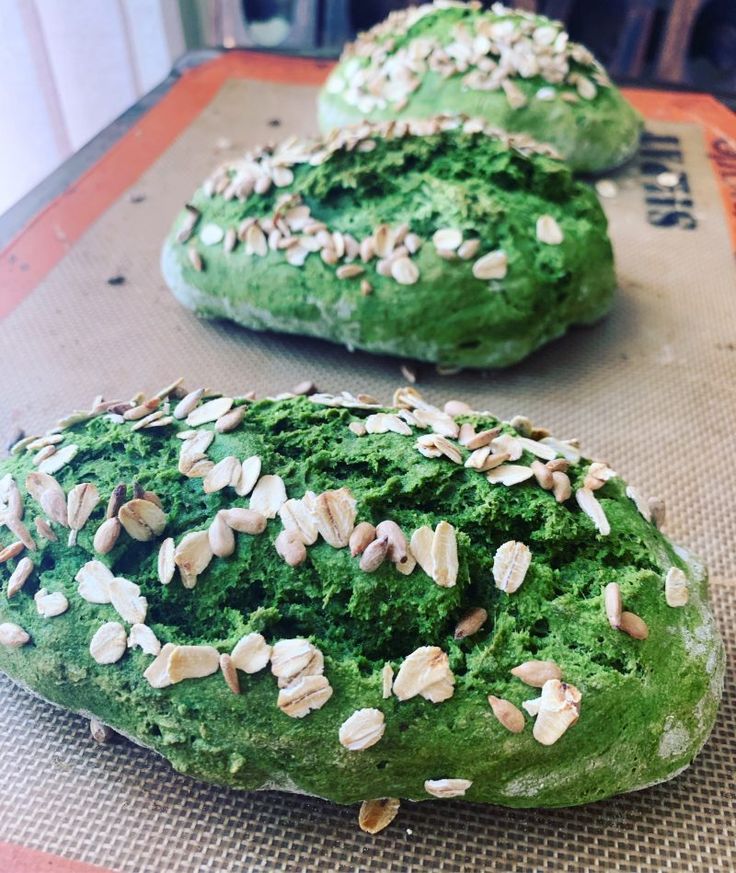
(593, 133)
(490, 190)
(647, 705)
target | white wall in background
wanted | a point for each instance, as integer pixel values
(67, 69)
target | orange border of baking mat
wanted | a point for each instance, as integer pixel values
(28, 258)
(19, 859)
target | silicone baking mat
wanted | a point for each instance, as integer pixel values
(652, 388)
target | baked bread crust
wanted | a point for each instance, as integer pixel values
(530, 611)
(441, 240)
(518, 70)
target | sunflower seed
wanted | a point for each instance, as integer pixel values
(192, 556)
(142, 411)
(509, 474)
(426, 671)
(11, 551)
(47, 492)
(243, 520)
(188, 223)
(304, 695)
(561, 487)
(21, 532)
(382, 422)
(43, 454)
(109, 642)
(229, 673)
(514, 95)
(48, 604)
(231, 420)
(363, 729)
(586, 89)
(412, 242)
(222, 475)
(447, 238)
(675, 587)
(142, 519)
(145, 639)
(209, 411)
(612, 600)
(479, 440)
(549, 231)
(94, 580)
(493, 265)
(536, 673)
(221, 537)
(387, 680)
(12, 636)
(188, 403)
(471, 623)
(81, 501)
(559, 709)
(383, 241)
(375, 815)
(100, 732)
(19, 576)
(251, 653)
(291, 548)
(444, 555)
(592, 508)
(256, 242)
(510, 565)
(349, 271)
(44, 529)
(268, 496)
(230, 241)
(192, 451)
(543, 475)
(405, 271)
(397, 544)
(192, 662)
(641, 503)
(445, 788)
(421, 548)
(634, 626)
(509, 444)
(117, 499)
(441, 445)
(156, 674)
(374, 555)
(469, 249)
(165, 563)
(510, 716)
(10, 495)
(126, 599)
(106, 536)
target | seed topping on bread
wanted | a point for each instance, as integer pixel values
(256, 497)
(499, 49)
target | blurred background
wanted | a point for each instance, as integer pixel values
(69, 68)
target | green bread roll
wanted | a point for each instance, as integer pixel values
(330, 596)
(515, 69)
(438, 240)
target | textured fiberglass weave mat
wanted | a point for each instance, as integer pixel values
(652, 389)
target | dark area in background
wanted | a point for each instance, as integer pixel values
(627, 35)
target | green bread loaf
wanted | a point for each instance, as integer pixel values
(435, 240)
(503, 564)
(515, 69)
